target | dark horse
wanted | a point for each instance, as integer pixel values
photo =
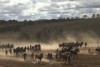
(74, 52)
(19, 50)
(97, 50)
(39, 56)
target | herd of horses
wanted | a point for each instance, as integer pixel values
(6, 46)
(68, 51)
(65, 53)
(20, 50)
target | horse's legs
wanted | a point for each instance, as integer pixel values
(69, 61)
(77, 56)
(36, 60)
(40, 60)
(73, 57)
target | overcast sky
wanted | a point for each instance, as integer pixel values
(46, 9)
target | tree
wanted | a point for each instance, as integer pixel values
(93, 16)
(85, 16)
(98, 15)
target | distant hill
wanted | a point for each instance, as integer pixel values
(51, 30)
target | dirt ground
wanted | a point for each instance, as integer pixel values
(83, 61)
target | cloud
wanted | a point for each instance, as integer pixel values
(46, 9)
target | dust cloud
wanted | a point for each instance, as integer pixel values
(90, 37)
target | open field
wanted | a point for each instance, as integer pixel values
(83, 61)
(49, 35)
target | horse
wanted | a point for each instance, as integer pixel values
(50, 56)
(24, 56)
(32, 57)
(19, 50)
(39, 56)
(74, 52)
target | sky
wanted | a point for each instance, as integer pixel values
(46, 9)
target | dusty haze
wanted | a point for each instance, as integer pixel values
(91, 38)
